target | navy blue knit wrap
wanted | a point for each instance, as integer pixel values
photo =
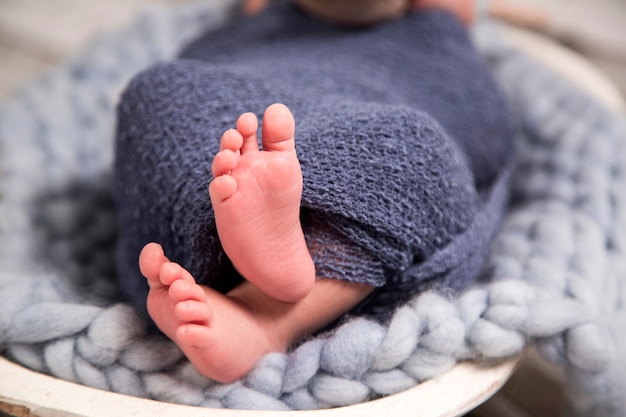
(405, 142)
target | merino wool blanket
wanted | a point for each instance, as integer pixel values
(405, 142)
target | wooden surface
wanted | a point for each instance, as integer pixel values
(595, 29)
(570, 65)
(27, 393)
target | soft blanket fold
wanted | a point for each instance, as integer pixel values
(405, 143)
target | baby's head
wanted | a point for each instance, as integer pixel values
(356, 12)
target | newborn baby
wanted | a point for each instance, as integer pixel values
(384, 172)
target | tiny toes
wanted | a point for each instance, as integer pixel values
(225, 161)
(182, 290)
(151, 259)
(171, 272)
(231, 140)
(247, 124)
(196, 335)
(222, 187)
(193, 311)
(278, 128)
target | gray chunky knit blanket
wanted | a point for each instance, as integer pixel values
(555, 274)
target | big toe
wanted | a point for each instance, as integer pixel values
(278, 128)
(151, 259)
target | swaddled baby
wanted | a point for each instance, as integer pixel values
(384, 171)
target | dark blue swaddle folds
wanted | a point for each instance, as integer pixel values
(405, 142)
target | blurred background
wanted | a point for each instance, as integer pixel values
(37, 34)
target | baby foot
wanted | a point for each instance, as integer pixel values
(202, 322)
(256, 198)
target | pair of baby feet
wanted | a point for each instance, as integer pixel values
(256, 196)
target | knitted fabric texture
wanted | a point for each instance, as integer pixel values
(404, 183)
(555, 275)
